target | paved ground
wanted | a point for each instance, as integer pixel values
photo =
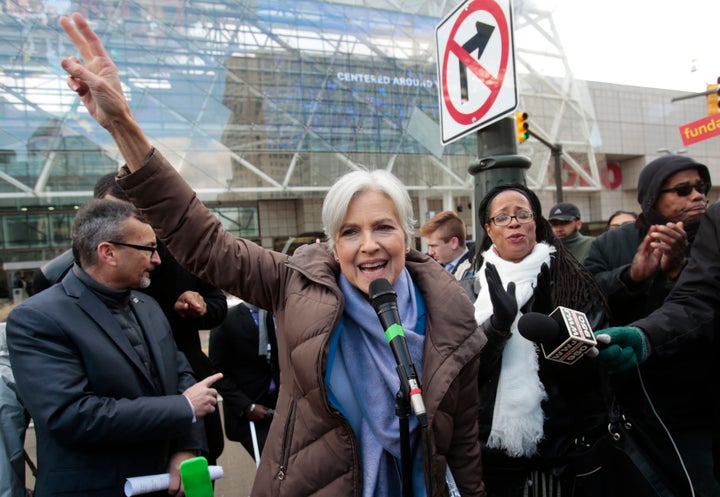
(238, 468)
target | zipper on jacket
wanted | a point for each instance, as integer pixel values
(286, 442)
(358, 484)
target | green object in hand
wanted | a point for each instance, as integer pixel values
(628, 347)
(195, 477)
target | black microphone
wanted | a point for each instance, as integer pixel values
(564, 336)
(384, 300)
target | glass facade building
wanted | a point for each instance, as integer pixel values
(250, 99)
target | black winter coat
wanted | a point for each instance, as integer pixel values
(689, 315)
(247, 375)
(610, 257)
(575, 400)
(679, 386)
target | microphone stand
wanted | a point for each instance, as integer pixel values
(384, 300)
(402, 410)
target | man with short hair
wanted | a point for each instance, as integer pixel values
(97, 368)
(637, 265)
(566, 223)
(444, 234)
(190, 304)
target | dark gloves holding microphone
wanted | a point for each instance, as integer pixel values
(505, 306)
(626, 346)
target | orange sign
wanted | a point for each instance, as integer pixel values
(700, 130)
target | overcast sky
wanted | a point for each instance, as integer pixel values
(658, 44)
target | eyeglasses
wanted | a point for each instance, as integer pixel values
(522, 217)
(144, 248)
(685, 189)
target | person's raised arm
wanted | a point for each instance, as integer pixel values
(96, 82)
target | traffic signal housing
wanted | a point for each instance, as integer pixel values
(713, 98)
(522, 125)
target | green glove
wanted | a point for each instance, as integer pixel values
(627, 347)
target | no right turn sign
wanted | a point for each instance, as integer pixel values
(476, 67)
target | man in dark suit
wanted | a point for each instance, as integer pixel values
(244, 349)
(190, 304)
(97, 367)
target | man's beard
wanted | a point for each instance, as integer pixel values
(144, 282)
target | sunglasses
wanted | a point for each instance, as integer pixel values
(685, 189)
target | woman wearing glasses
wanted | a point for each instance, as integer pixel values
(529, 405)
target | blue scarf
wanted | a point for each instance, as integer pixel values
(363, 384)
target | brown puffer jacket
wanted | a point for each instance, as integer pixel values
(311, 449)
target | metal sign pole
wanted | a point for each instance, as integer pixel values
(498, 163)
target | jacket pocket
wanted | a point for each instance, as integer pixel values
(83, 481)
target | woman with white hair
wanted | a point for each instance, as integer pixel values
(335, 430)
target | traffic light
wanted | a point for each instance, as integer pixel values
(522, 126)
(713, 98)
